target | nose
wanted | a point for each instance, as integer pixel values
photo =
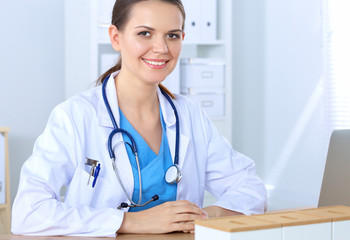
(160, 45)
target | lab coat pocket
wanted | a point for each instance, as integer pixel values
(80, 190)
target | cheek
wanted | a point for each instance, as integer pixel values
(136, 48)
(175, 49)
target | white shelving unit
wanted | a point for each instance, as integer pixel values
(86, 41)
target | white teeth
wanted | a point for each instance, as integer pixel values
(154, 63)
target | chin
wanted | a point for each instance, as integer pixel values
(157, 78)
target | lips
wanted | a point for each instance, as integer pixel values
(156, 63)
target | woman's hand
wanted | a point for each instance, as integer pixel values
(216, 211)
(167, 217)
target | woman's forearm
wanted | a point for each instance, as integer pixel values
(216, 211)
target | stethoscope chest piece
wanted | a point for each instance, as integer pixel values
(173, 174)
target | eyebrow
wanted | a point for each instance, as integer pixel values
(152, 29)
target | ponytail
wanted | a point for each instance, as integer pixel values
(162, 87)
(117, 67)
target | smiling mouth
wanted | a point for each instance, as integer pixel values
(156, 63)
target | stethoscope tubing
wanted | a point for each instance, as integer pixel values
(134, 148)
(110, 138)
(110, 149)
(177, 125)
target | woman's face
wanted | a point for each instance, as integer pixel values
(151, 42)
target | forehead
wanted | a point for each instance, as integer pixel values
(156, 14)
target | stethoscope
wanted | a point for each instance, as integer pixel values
(173, 173)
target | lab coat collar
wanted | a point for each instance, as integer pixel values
(168, 113)
(170, 121)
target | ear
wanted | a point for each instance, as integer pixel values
(114, 37)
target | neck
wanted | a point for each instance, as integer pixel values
(136, 97)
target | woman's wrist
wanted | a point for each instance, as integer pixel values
(127, 225)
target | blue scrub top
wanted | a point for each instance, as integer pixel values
(152, 166)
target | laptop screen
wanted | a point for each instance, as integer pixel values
(335, 188)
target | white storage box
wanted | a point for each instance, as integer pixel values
(212, 104)
(237, 228)
(297, 225)
(328, 223)
(202, 74)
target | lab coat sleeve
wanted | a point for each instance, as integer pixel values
(230, 176)
(37, 209)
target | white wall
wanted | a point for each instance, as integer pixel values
(31, 72)
(278, 96)
(294, 137)
(248, 78)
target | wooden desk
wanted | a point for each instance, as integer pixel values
(170, 236)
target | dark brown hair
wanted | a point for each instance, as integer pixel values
(120, 16)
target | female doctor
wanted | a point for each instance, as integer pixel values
(134, 157)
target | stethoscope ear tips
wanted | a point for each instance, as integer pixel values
(123, 205)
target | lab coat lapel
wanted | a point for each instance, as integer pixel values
(170, 121)
(122, 159)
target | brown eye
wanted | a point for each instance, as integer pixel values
(173, 36)
(144, 33)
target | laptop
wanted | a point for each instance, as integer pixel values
(335, 188)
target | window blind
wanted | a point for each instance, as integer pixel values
(336, 36)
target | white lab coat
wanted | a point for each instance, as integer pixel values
(79, 128)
